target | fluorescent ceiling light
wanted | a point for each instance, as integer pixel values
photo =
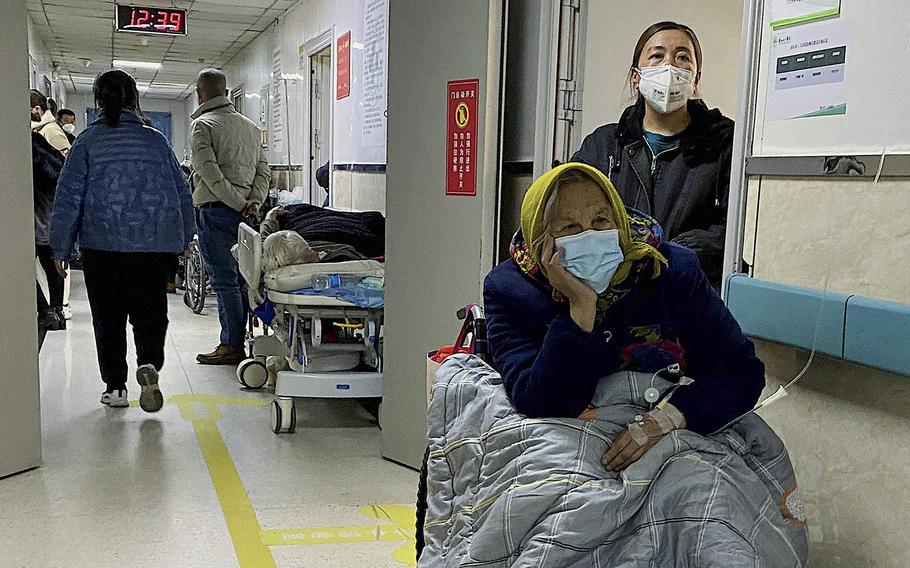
(136, 64)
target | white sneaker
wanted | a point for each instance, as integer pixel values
(151, 399)
(115, 399)
(67, 312)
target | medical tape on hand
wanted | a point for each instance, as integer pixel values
(638, 433)
(668, 417)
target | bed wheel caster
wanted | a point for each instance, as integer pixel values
(252, 374)
(284, 416)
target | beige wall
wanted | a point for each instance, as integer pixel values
(613, 29)
(358, 191)
(846, 427)
(810, 230)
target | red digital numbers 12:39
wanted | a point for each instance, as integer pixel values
(151, 20)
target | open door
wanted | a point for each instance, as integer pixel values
(320, 120)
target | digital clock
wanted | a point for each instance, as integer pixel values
(167, 21)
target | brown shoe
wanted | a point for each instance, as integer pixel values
(224, 355)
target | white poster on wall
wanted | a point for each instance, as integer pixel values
(264, 115)
(375, 66)
(808, 71)
(277, 126)
(790, 12)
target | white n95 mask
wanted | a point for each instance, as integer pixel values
(592, 256)
(666, 88)
(71, 128)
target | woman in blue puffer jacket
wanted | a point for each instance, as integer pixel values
(123, 196)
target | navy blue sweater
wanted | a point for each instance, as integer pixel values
(551, 367)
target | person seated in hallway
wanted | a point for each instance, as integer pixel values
(669, 155)
(592, 289)
(121, 193)
(230, 181)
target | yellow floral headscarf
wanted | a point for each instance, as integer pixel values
(535, 202)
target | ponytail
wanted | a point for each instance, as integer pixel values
(115, 90)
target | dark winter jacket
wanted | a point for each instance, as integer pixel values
(47, 162)
(550, 367)
(685, 189)
(121, 190)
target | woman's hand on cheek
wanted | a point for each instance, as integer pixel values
(582, 299)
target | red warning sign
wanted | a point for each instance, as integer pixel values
(343, 69)
(461, 154)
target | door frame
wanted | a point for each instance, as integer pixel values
(311, 47)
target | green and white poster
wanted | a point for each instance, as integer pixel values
(790, 12)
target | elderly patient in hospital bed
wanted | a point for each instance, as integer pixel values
(608, 433)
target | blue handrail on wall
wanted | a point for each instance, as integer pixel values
(862, 330)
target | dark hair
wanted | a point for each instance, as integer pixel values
(115, 90)
(52, 106)
(653, 31)
(38, 100)
(65, 112)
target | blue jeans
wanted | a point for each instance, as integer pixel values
(217, 234)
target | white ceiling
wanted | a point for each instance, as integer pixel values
(78, 31)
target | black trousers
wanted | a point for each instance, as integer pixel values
(125, 287)
(54, 281)
(173, 269)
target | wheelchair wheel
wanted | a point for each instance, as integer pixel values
(421, 505)
(196, 280)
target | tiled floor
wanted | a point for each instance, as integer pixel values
(125, 488)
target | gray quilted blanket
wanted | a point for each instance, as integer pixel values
(505, 490)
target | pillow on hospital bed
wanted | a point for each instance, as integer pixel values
(299, 276)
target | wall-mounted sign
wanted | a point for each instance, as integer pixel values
(140, 19)
(343, 70)
(461, 145)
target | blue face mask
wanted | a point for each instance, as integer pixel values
(592, 256)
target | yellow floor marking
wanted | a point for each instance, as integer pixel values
(251, 543)
(242, 523)
(401, 517)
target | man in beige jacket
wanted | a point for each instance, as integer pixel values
(230, 181)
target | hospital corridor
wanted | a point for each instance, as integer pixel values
(201, 477)
(425, 284)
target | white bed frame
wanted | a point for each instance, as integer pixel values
(308, 358)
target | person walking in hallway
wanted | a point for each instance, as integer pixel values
(121, 193)
(230, 182)
(47, 161)
(46, 165)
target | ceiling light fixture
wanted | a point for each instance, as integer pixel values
(136, 64)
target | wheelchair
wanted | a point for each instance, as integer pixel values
(196, 281)
(473, 337)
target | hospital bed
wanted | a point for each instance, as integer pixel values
(332, 347)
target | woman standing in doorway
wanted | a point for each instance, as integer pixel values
(669, 155)
(122, 194)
